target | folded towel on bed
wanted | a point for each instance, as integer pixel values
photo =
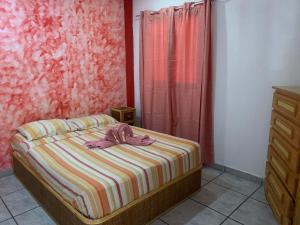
(120, 134)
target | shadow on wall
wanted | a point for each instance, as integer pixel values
(283, 40)
(219, 63)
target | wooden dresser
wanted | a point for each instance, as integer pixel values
(282, 183)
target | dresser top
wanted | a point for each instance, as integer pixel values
(292, 91)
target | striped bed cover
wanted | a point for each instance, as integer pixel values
(100, 181)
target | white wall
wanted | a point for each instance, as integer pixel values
(256, 45)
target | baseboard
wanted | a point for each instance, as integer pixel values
(7, 172)
(238, 173)
(218, 167)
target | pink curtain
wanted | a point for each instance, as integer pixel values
(175, 75)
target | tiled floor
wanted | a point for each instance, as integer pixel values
(224, 199)
(17, 207)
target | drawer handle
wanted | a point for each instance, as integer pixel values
(275, 187)
(286, 106)
(282, 150)
(279, 168)
(283, 127)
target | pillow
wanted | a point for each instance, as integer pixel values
(44, 128)
(87, 122)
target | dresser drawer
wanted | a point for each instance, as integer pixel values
(289, 130)
(279, 193)
(289, 154)
(287, 106)
(124, 114)
(297, 208)
(282, 220)
(128, 116)
(289, 178)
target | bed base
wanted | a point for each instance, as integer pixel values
(139, 212)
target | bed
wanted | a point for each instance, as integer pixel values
(119, 185)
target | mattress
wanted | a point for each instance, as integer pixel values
(99, 181)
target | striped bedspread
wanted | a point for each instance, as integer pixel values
(98, 182)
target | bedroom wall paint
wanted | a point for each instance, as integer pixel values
(255, 46)
(58, 59)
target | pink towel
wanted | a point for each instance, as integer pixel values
(121, 134)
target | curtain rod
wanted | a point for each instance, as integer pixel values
(176, 8)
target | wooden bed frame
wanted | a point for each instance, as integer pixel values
(139, 212)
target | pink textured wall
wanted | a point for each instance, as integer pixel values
(58, 58)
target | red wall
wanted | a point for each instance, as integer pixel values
(58, 59)
(129, 52)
